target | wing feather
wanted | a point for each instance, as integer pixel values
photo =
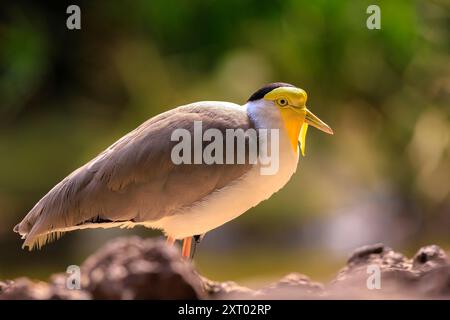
(134, 179)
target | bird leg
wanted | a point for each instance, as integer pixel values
(170, 241)
(196, 241)
(187, 244)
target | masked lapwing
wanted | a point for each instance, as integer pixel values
(142, 179)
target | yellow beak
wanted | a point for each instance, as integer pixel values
(313, 120)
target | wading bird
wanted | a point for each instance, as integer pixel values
(135, 182)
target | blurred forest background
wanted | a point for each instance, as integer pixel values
(383, 177)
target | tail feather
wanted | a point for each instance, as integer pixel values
(30, 229)
(25, 227)
(38, 241)
(71, 204)
(52, 213)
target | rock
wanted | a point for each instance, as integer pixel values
(215, 289)
(362, 254)
(379, 254)
(429, 258)
(293, 286)
(426, 275)
(4, 285)
(133, 268)
(25, 289)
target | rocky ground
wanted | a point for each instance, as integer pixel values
(134, 268)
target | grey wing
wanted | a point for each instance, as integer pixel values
(135, 178)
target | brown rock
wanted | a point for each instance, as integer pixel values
(4, 285)
(25, 289)
(133, 268)
(426, 275)
(428, 258)
(215, 289)
(293, 286)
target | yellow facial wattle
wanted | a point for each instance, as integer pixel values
(291, 102)
(296, 117)
(294, 124)
(302, 137)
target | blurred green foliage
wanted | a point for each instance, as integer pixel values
(66, 95)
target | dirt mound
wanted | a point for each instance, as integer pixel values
(134, 268)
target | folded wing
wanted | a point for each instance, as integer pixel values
(135, 180)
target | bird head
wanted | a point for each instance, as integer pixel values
(291, 102)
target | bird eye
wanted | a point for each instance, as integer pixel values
(282, 102)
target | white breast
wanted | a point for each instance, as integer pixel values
(235, 199)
